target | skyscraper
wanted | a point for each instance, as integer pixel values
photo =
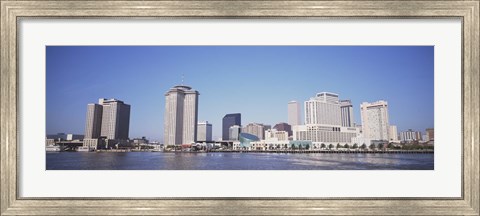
(181, 115)
(294, 113)
(115, 119)
(347, 113)
(375, 123)
(93, 123)
(430, 134)
(109, 119)
(228, 121)
(323, 109)
(204, 131)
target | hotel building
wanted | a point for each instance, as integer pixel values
(375, 124)
(181, 115)
(323, 121)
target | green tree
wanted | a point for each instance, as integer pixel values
(330, 146)
(307, 146)
(323, 146)
(346, 146)
(364, 146)
(380, 146)
(338, 145)
(372, 146)
(390, 146)
(355, 146)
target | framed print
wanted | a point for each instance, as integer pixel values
(243, 107)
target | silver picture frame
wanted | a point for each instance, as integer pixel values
(12, 11)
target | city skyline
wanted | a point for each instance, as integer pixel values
(253, 96)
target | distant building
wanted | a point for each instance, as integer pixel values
(430, 134)
(282, 126)
(71, 137)
(255, 129)
(393, 133)
(234, 132)
(115, 119)
(375, 120)
(347, 113)
(49, 142)
(181, 115)
(294, 113)
(228, 121)
(410, 135)
(275, 135)
(323, 122)
(323, 109)
(204, 132)
(57, 137)
(324, 133)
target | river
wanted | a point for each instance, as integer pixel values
(235, 161)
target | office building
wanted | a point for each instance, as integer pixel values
(375, 125)
(234, 132)
(110, 118)
(93, 124)
(204, 132)
(346, 109)
(323, 109)
(228, 121)
(282, 126)
(255, 129)
(181, 115)
(294, 113)
(115, 119)
(410, 135)
(393, 133)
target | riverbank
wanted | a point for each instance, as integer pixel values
(283, 151)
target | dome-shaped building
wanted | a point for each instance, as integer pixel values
(246, 138)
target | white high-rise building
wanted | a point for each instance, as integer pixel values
(115, 119)
(323, 109)
(294, 113)
(234, 132)
(393, 133)
(93, 124)
(204, 131)
(347, 113)
(255, 129)
(375, 125)
(181, 115)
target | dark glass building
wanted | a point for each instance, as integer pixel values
(228, 121)
(283, 127)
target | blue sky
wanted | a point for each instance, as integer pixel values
(257, 81)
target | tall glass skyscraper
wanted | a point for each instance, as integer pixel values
(230, 120)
